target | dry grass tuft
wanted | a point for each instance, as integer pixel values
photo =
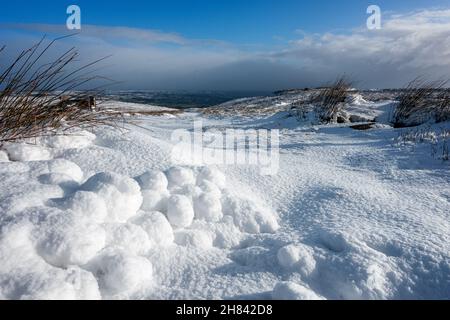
(421, 100)
(39, 98)
(330, 100)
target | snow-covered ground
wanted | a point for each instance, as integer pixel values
(349, 215)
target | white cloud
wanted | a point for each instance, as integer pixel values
(408, 45)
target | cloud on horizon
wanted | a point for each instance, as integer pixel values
(408, 45)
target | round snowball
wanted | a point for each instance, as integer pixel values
(194, 238)
(65, 241)
(121, 194)
(179, 211)
(179, 176)
(212, 174)
(299, 257)
(153, 180)
(293, 291)
(66, 167)
(209, 187)
(208, 207)
(155, 200)
(120, 272)
(87, 205)
(155, 224)
(128, 237)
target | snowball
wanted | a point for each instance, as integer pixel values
(3, 156)
(155, 200)
(87, 205)
(156, 226)
(178, 176)
(179, 211)
(120, 272)
(189, 190)
(27, 152)
(153, 180)
(293, 291)
(66, 167)
(213, 175)
(333, 240)
(194, 238)
(64, 241)
(71, 284)
(249, 216)
(209, 187)
(128, 237)
(298, 256)
(227, 235)
(208, 207)
(121, 194)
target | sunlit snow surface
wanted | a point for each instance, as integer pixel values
(349, 215)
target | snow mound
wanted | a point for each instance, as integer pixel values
(179, 211)
(128, 237)
(194, 238)
(121, 194)
(155, 224)
(153, 180)
(76, 140)
(207, 206)
(213, 175)
(249, 216)
(63, 240)
(119, 272)
(299, 257)
(27, 152)
(334, 240)
(180, 176)
(60, 179)
(293, 291)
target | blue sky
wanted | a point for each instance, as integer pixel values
(166, 42)
(237, 21)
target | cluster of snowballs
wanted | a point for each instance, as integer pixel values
(96, 239)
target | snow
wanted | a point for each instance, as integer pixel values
(64, 240)
(87, 206)
(207, 206)
(179, 211)
(153, 180)
(213, 175)
(179, 176)
(106, 215)
(3, 156)
(299, 257)
(128, 237)
(119, 272)
(157, 227)
(121, 194)
(293, 291)
(27, 152)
